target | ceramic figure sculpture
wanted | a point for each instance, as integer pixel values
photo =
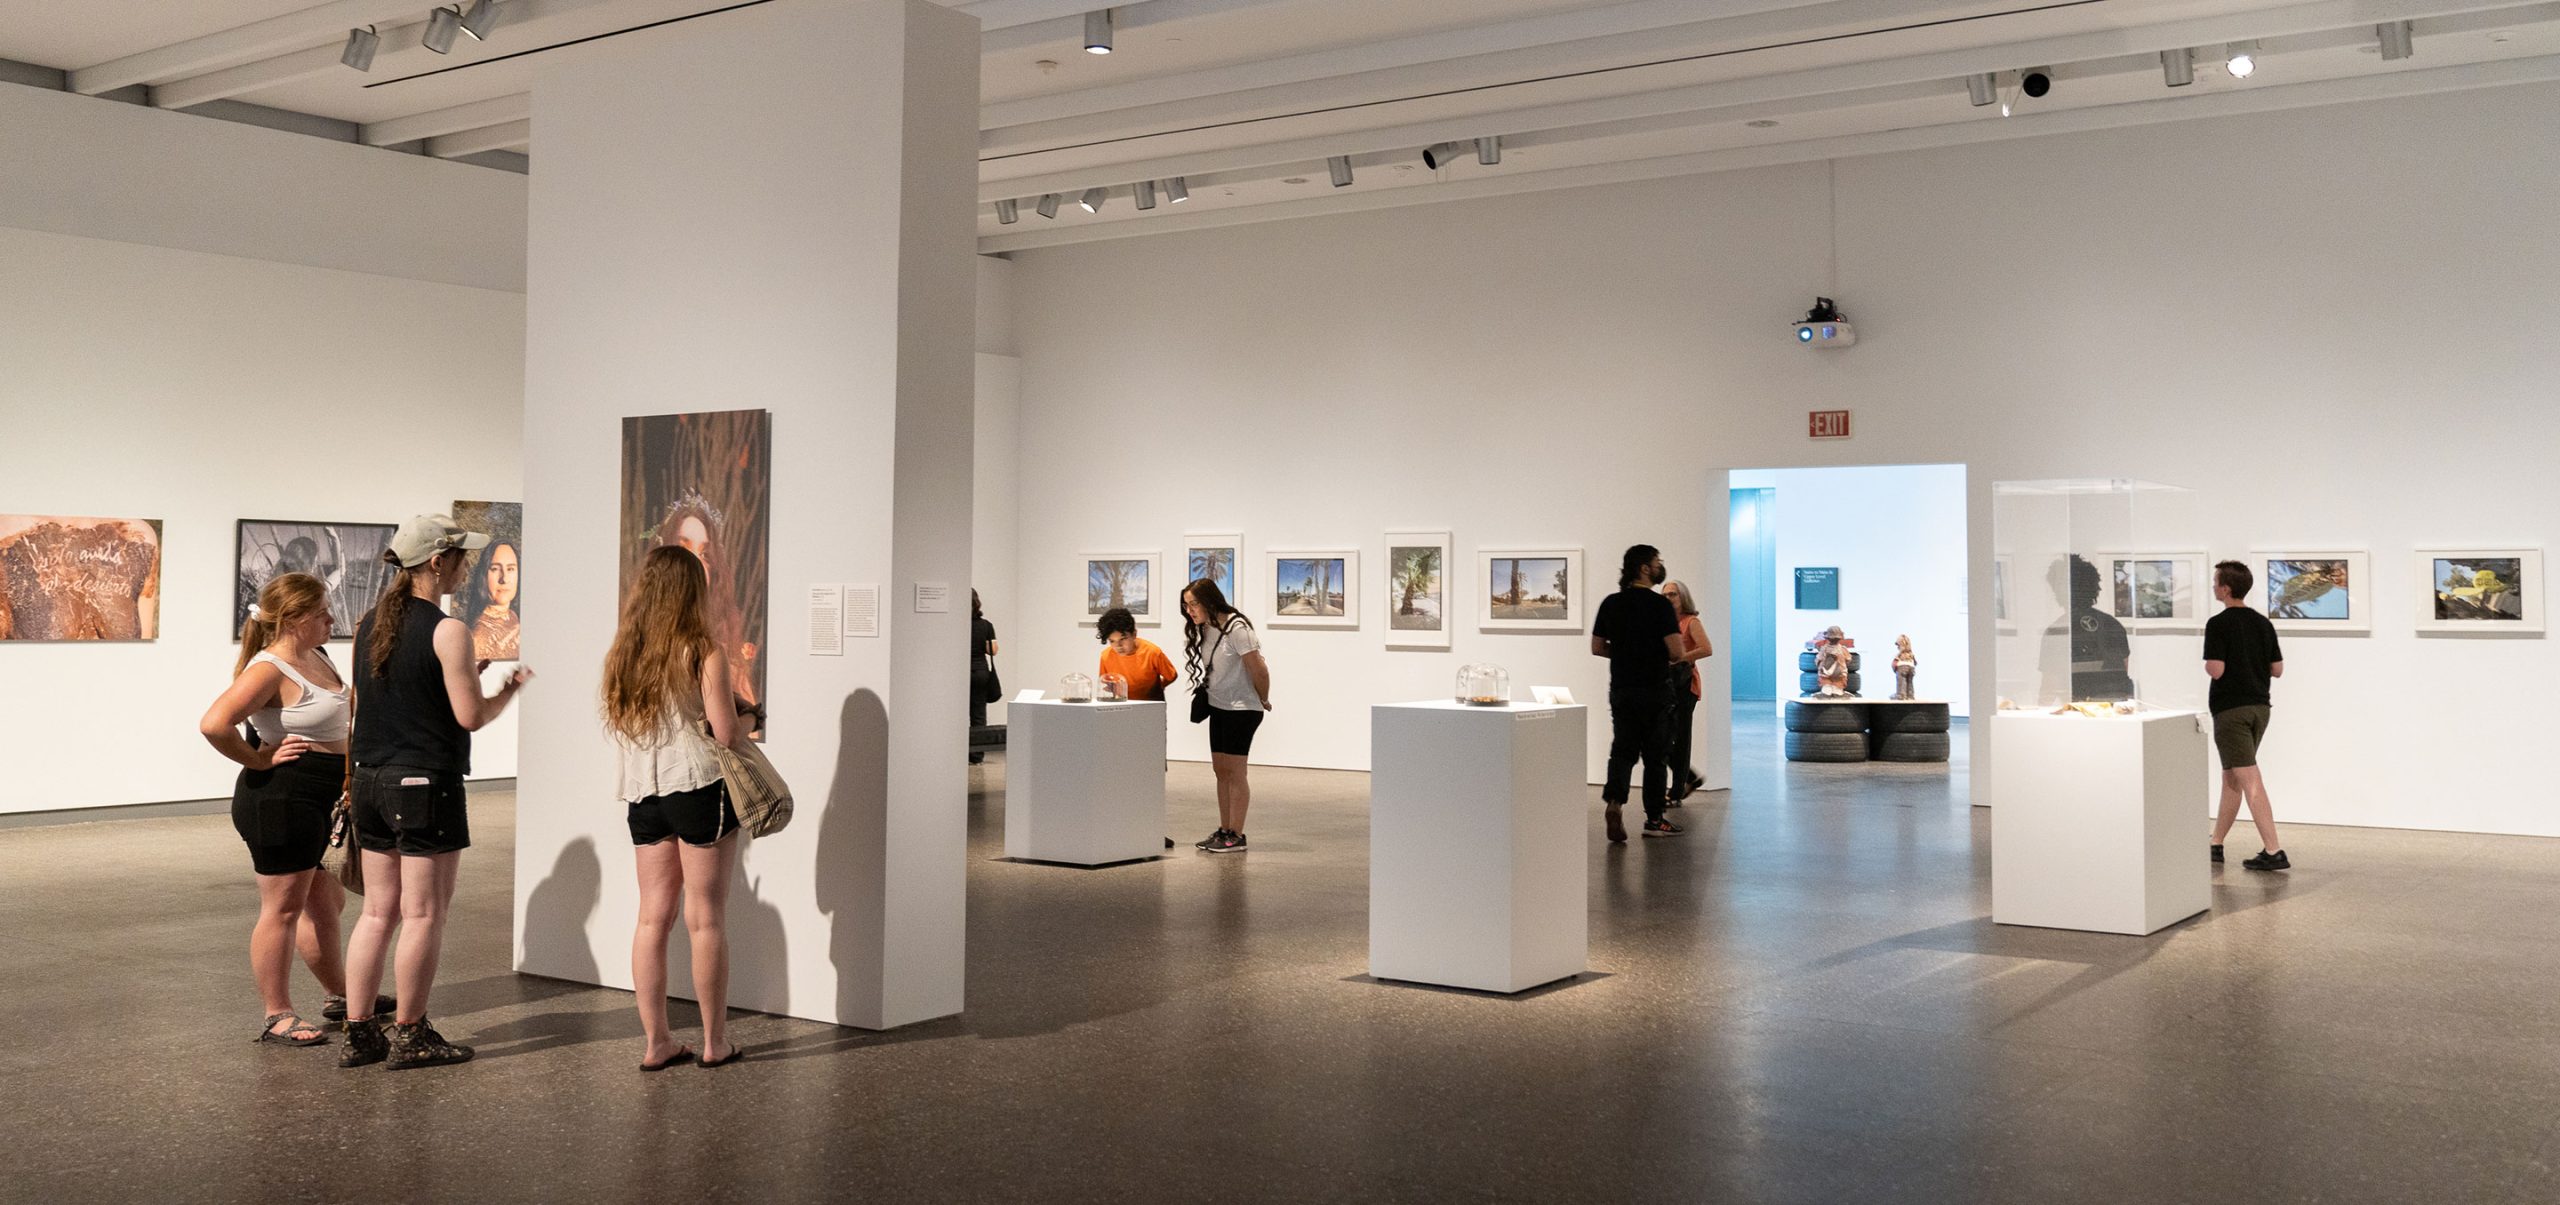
(1905, 667)
(1831, 664)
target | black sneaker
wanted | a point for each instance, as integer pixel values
(1227, 843)
(1662, 827)
(366, 1044)
(2269, 860)
(1168, 843)
(420, 1045)
(1614, 823)
(2217, 855)
(1211, 839)
(333, 1009)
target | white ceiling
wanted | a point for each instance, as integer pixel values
(1247, 98)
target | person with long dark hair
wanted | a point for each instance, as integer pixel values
(1686, 689)
(1231, 689)
(418, 701)
(285, 688)
(667, 681)
(1639, 632)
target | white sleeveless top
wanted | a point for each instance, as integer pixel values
(320, 716)
(678, 758)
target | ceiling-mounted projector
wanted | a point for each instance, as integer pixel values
(1824, 326)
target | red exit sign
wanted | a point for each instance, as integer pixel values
(1828, 424)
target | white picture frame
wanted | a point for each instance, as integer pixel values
(2344, 606)
(1533, 612)
(1149, 598)
(1231, 543)
(1418, 601)
(2157, 591)
(2514, 589)
(2000, 573)
(1303, 586)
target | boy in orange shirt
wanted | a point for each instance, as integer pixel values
(1142, 665)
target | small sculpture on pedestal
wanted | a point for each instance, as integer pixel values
(1905, 667)
(1831, 660)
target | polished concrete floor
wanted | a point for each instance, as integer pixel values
(1801, 1000)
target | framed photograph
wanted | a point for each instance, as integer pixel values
(1216, 555)
(2321, 591)
(492, 598)
(1418, 589)
(2490, 591)
(1530, 589)
(2000, 595)
(704, 482)
(1314, 587)
(65, 577)
(2158, 591)
(346, 557)
(1128, 579)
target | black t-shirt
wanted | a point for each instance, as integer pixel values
(981, 634)
(1634, 621)
(404, 717)
(2101, 657)
(2245, 643)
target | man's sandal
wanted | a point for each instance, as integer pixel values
(299, 1033)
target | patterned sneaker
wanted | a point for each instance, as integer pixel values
(366, 1044)
(420, 1045)
(1660, 827)
(1210, 840)
(1228, 843)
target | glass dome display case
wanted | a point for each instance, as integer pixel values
(1484, 685)
(1075, 688)
(1111, 688)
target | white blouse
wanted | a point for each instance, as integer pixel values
(677, 758)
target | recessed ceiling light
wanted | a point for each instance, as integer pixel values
(1294, 180)
(1762, 124)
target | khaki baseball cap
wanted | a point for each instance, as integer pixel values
(423, 536)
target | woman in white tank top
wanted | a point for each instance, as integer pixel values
(290, 694)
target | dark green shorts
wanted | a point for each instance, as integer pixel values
(2237, 732)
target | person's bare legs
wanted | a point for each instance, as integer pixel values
(318, 937)
(661, 878)
(2230, 813)
(280, 903)
(370, 943)
(426, 895)
(2261, 813)
(706, 922)
(1234, 795)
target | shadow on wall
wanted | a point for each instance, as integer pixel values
(853, 850)
(556, 916)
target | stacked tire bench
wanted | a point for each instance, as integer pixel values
(1852, 730)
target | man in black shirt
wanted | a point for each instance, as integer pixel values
(1639, 632)
(2243, 659)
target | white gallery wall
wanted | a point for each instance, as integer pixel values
(2318, 319)
(1896, 533)
(169, 350)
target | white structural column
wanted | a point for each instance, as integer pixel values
(765, 209)
(2093, 822)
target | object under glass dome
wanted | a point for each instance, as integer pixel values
(1111, 688)
(1075, 688)
(1484, 685)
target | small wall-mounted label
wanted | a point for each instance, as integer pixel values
(862, 611)
(1818, 589)
(1827, 424)
(933, 598)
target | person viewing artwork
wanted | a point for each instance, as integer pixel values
(492, 602)
(2243, 657)
(984, 686)
(1137, 661)
(1231, 690)
(1686, 690)
(290, 694)
(418, 701)
(1639, 632)
(667, 704)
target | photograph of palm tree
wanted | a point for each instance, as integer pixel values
(1114, 583)
(1529, 588)
(1311, 587)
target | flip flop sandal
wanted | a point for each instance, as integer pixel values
(683, 1054)
(735, 1053)
(294, 1034)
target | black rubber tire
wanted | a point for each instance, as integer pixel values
(1826, 717)
(1827, 746)
(1808, 684)
(1910, 746)
(1907, 717)
(1804, 661)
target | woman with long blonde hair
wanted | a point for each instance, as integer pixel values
(285, 688)
(667, 699)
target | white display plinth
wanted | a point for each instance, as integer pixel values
(2093, 821)
(1478, 871)
(1084, 782)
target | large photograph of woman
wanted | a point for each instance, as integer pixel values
(703, 482)
(492, 598)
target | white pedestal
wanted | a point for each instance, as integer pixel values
(1478, 871)
(2093, 821)
(1084, 782)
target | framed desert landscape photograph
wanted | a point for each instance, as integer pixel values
(1530, 589)
(1418, 594)
(1127, 579)
(1216, 555)
(1314, 587)
(2485, 591)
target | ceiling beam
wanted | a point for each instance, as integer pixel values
(2265, 99)
(497, 110)
(250, 77)
(1087, 166)
(292, 31)
(507, 136)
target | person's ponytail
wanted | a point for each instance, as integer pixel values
(387, 613)
(255, 631)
